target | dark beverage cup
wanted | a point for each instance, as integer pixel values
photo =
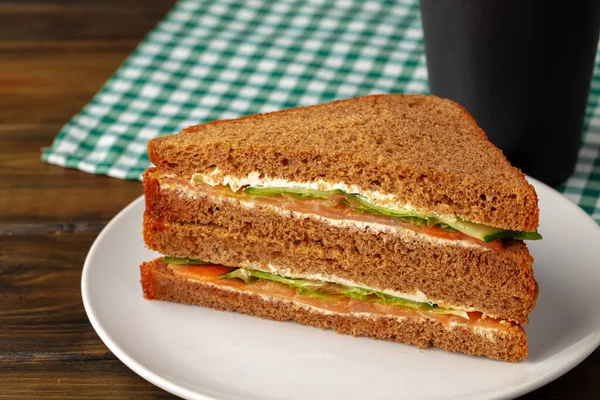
(522, 68)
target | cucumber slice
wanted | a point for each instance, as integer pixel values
(302, 193)
(479, 231)
(527, 236)
(488, 233)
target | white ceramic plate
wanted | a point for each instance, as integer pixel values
(200, 353)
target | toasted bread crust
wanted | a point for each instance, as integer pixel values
(426, 151)
(497, 283)
(159, 283)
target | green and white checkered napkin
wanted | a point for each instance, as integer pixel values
(218, 59)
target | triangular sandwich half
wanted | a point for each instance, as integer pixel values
(388, 216)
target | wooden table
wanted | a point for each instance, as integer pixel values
(54, 55)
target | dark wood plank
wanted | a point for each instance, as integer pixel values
(41, 311)
(48, 348)
(74, 379)
(56, 82)
(54, 55)
(36, 192)
(35, 20)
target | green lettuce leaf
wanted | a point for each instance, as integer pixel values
(303, 286)
(242, 274)
(314, 288)
(299, 192)
(361, 204)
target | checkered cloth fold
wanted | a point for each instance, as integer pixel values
(218, 59)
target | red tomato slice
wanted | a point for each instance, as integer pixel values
(442, 234)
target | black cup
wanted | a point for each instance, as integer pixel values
(522, 68)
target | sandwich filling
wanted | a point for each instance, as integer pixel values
(358, 201)
(325, 296)
(336, 204)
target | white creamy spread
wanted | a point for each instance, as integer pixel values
(235, 183)
(215, 178)
(487, 332)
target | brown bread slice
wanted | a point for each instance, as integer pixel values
(497, 283)
(426, 151)
(509, 344)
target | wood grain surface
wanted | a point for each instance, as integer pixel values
(54, 55)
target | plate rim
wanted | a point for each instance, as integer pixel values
(156, 379)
